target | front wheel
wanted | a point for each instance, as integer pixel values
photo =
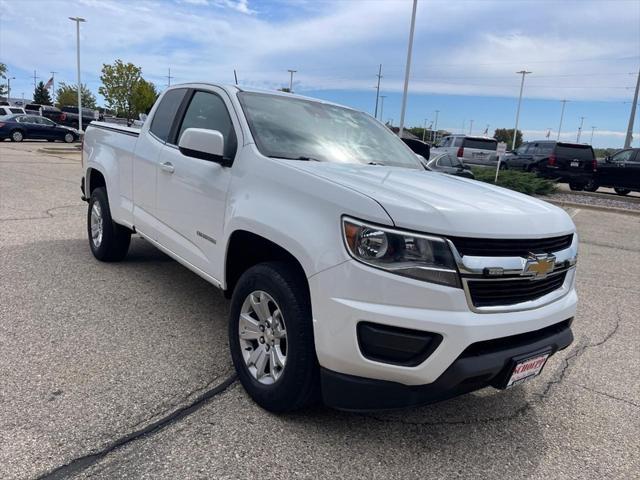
(109, 241)
(622, 191)
(271, 337)
(69, 137)
(576, 187)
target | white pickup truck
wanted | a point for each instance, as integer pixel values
(355, 275)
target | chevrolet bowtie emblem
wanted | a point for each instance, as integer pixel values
(539, 266)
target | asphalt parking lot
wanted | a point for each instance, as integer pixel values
(122, 370)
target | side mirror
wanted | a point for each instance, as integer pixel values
(203, 144)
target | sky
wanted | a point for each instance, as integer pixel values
(465, 55)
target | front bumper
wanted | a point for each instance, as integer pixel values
(481, 365)
(351, 293)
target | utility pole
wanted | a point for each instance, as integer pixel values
(235, 75)
(580, 130)
(593, 129)
(486, 131)
(470, 126)
(424, 130)
(382, 97)
(53, 86)
(435, 128)
(291, 80)
(378, 91)
(408, 68)
(78, 20)
(515, 131)
(564, 102)
(169, 77)
(35, 78)
(632, 116)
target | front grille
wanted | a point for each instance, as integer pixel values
(491, 293)
(492, 247)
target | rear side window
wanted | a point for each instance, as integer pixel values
(480, 143)
(544, 149)
(207, 110)
(444, 161)
(15, 110)
(574, 151)
(458, 142)
(166, 113)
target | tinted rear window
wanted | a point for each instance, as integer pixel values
(15, 110)
(166, 113)
(481, 143)
(574, 151)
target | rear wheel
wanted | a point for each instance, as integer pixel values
(17, 136)
(576, 186)
(109, 241)
(271, 337)
(622, 191)
(591, 186)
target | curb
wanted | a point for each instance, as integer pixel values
(604, 195)
(59, 150)
(622, 211)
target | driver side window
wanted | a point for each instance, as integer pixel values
(623, 156)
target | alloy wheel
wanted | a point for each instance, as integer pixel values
(96, 225)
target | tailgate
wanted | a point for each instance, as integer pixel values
(575, 158)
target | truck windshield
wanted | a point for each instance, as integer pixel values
(306, 130)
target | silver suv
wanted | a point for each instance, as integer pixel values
(470, 150)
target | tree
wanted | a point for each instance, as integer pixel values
(119, 82)
(41, 95)
(3, 75)
(506, 135)
(67, 96)
(143, 97)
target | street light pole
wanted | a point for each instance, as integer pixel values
(515, 131)
(564, 102)
(593, 129)
(408, 68)
(470, 126)
(632, 116)
(382, 97)
(291, 80)
(424, 130)
(78, 20)
(435, 128)
(378, 91)
(9, 89)
(580, 130)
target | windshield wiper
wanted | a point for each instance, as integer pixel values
(301, 157)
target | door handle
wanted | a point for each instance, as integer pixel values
(167, 167)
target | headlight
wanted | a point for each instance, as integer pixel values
(422, 257)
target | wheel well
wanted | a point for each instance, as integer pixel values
(95, 180)
(247, 249)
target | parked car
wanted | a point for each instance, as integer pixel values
(470, 150)
(28, 127)
(570, 163)
(620, 171)
(447, 163)
(353, 273)
(418, 147)
(7, 110)
(48, 111)
(71, 116)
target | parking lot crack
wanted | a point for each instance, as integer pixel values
(605, 394)
(83, 462)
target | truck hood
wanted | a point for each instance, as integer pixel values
(433, 202)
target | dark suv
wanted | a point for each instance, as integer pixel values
(571, 163)
(620, 171)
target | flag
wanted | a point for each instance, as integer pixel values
(49, 84)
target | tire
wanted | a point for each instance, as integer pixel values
(591, 186)
(69, 138)
(576, 187)
(16, 136)
(296, 384)
(109, 242)
(622, 191)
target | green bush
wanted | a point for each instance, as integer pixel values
(523, 182)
